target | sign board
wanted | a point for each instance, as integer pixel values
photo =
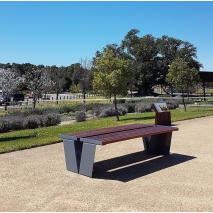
(161, 107)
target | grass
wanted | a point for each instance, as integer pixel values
(25, 139)
(2, 112)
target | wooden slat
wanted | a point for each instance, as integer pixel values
(108, 130)
(134, 133)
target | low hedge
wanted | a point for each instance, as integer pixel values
(19, 121)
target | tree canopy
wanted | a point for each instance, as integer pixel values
(111, 75)
(181, 76)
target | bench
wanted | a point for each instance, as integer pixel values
(79, 148)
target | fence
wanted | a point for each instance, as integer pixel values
(67, 100)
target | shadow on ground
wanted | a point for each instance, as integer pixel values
(129, 167)
(17, 138)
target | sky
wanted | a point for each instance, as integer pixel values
(64, 32)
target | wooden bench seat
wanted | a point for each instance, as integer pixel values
(80, 147)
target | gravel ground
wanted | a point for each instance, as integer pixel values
(125, 178)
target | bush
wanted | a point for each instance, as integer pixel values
(171, 103)
(32, 122)
(180, 101)
(133, 101)
(17, 123)
(110, 111)
(65, 109)
(89, 112)
(71, 114)
(51, 119)
(130, 107)
(122, 110)
(5, 125)
(93, 106)
(119, 101)
(143, 107)
(80, 116)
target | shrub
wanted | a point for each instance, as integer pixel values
(180, 101)
(52, 119)
(93, 106)
(119, 101)
(80, 116)
(17, 123)
(13, 122)
(171, 103)
(32, 122)
(130, 107)
(133, 101)
(64, 114)
(110, 111)
(65, 109)
(71, 114)
(89, 111)
(143, 107)
(5, 125)
(122, 110)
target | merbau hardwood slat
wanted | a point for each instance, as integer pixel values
(130, 134)
(108, 130)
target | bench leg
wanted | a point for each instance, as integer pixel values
(158, 144)
(79, 156)
(72, 151)
(87, 159)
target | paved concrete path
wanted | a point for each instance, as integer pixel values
(125, 178)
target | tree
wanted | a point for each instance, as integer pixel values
(9, 83)
(170, 48)
(58, 78)
(82, 75)
(152, 57)
(35, 79)
(180, 75)
(143, 52)
(69, 76)
(111, 75)
(47, 82)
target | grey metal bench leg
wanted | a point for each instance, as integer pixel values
(72, 151)
(87, 159)
(158, 144)
(79, 156)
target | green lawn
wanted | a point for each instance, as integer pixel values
(24, 139)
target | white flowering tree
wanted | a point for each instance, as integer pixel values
(35, 81)
(48, 84)
(9, 83)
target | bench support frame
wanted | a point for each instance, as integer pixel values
(158, 144)
(80, 155)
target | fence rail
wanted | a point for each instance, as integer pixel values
(29, 102)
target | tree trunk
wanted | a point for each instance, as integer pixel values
(34, 101)
(57, 96)
(116, 109)
(5, 105)
(84, 94)
(204, 90)
(183, 101)
(143, 89)
(131, 90)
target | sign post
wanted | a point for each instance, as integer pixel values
(162, 114)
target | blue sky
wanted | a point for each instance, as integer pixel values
(61, 33)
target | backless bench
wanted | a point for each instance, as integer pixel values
(79, 148)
